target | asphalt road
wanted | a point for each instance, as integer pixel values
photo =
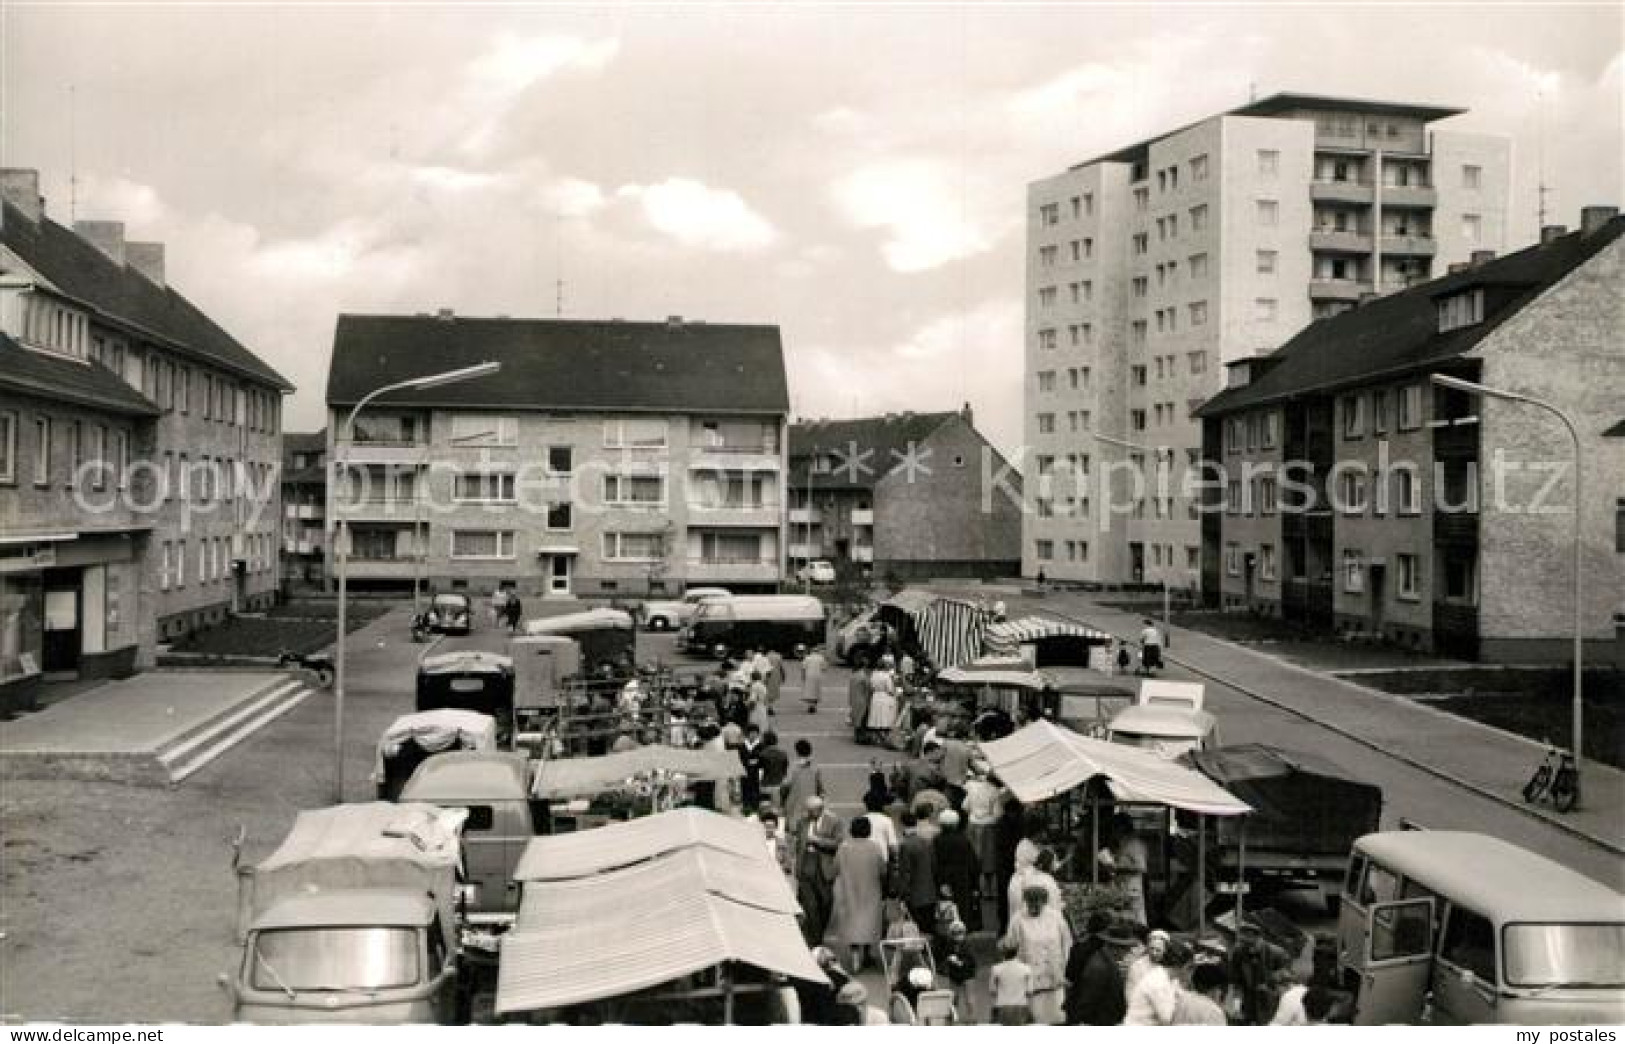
(117, 903)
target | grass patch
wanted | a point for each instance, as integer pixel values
(268, 635)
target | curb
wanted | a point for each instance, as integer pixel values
(1404, 759)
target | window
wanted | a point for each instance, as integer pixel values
(484, 429)
(1046, 297)
(1472, 177)
(1137, 374)
(1088, 204)
(1088, 247)
(1460, 578)
(1198, 361)
(1044, 550)
(1264, 309)
(1379, 412)
(1198, 313)
(1077, 207)
(1193, 557)
(1267, 424)
(1269, 213)
(485, 487)
(8, 447)
(1046, 424)
(1266, 561)
(1137, 419)
(1199, 218)
(1410, 407)
(634, 547)
(1137, 332)
(1353, 416)
(1472, 227)
(482, 543)
(1619, 524)
(121, 458)
(180, 563)
(1267, 495)
(1047, 256)
(42, 451)
(640, 433)
(1266, 262)
(1463, 309)
(1046, 340)
(560, 460)
(77, 440)
(1232, 558)
(1351, 491)
(1410, 490)
(1353, 571)
(1049, 214)
(634, 489)
(166, 575)
(1269, 163)
(1141, 284)
(1046, 381)
(1199, 167)
(1469, 943)
(1410, 577)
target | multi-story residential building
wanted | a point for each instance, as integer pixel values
(607, 458)
(1359, 495)
(1151, 268)
(907, 494)
(183, 416)
(304, 508)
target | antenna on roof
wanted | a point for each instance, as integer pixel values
(1252, 92)
(1541, 190)
(558, 250)
(73, 154)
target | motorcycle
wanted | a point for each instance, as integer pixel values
(319, 666)
(422, 628)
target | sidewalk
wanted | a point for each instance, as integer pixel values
(1485, 760)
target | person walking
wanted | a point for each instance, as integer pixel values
(1012, 830)
(858, 692)
(774, 677)
(515, 610)
(916, 875)
(817, 841)
(813, 666)
(775, 763)
(803, 783)
(1095, 994)
(882, 706)
(983, 799)
(957, 867)
(857, 921)
(959, 963)
(750, 757)
(1033, 866)
(1011, 987)
(756, 702)
(1151, 642)
(1044, 942)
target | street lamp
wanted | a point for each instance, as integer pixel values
(1472, 388)
(1160, 452)
(341, 542)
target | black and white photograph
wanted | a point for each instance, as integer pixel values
(706, 514)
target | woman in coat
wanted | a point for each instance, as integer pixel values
(1043, 943)
(858, 921)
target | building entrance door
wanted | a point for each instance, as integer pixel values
(558, 580)
(1136, 555)
(63, 636)
(1379, 597)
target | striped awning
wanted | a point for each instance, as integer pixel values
(1043, 759)
(562, 857)
(1006, 637)
(950, 631)
(584, 777)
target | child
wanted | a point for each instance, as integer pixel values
(947, 915)
(1011, 986)
(1124, 659)
(960, 965)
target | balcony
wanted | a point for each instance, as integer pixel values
(1338, 289)
(1340, 240)
(380, 568)
(863, 516)
(749, 456)
(1409, 196)
(379, 509)
(806, 516)
(313, 512)
(756, 516)
(1341, 191)
(386, 453)
(735, 570)
(1456, 528)
(806, 552)
(1409, 246)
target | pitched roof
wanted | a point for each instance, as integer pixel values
(126, 297)
(304, 441)
(68, 380)
(1616, 432)
(564, 364)
(1399, 333)
(872, 445)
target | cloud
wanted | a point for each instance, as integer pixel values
(123, 200)
(451, 179)
(573, 198)
(921, 207)
(696, 215)
(987, 330)
(513, 64)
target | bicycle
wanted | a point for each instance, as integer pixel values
(1556, 780)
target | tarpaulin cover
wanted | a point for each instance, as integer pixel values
(1007, 637)
(1043, 759)
(644, 888)
(584, 777)
(1302, 803)
(463, 660)
(995, 670)
(565, 856)
(435, 731)
(575, 623)
(377, 845)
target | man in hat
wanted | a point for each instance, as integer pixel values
(1255, 965)
(817, 840)
(1095, 994)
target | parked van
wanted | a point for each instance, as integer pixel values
(782, 622)
(1459, 928)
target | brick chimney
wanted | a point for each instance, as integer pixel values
(968, 415)
(146, 258)
(1593, 218)
(20, 188)
(106, 236)
(1457, 266)
(1482, 256)
(1551, 232)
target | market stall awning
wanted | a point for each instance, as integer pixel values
(1007, 637)
(910, 602)
(950, 631)
(631, 948)
(583, 777)
(995, 670)
(565, 856)
(647, 887)
(1043, 759)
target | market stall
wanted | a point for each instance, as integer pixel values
(679, 917)
(989, 695)
(583, 792)
(1044, 761)
(1044, 641)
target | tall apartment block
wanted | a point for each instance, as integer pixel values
(1151, 268)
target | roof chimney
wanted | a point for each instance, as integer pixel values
(1551, 232)
(1366, 297)
(20, 188)
(1457, 266)
(968, 415)
(1482, 256)
(106, 236)
(146, 258)
(1593, 218)
(445, 313)
(674, 321)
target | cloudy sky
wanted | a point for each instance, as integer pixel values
(854, 174)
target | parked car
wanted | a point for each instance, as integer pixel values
(671, 613)
(860, 632)
(451, 613)
(818, 571)
(788, 623)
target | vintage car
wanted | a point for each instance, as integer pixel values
(450, 613)
(353, 919)
(789, 623)
(1167, 718)
(670, 614)
(468, 679)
